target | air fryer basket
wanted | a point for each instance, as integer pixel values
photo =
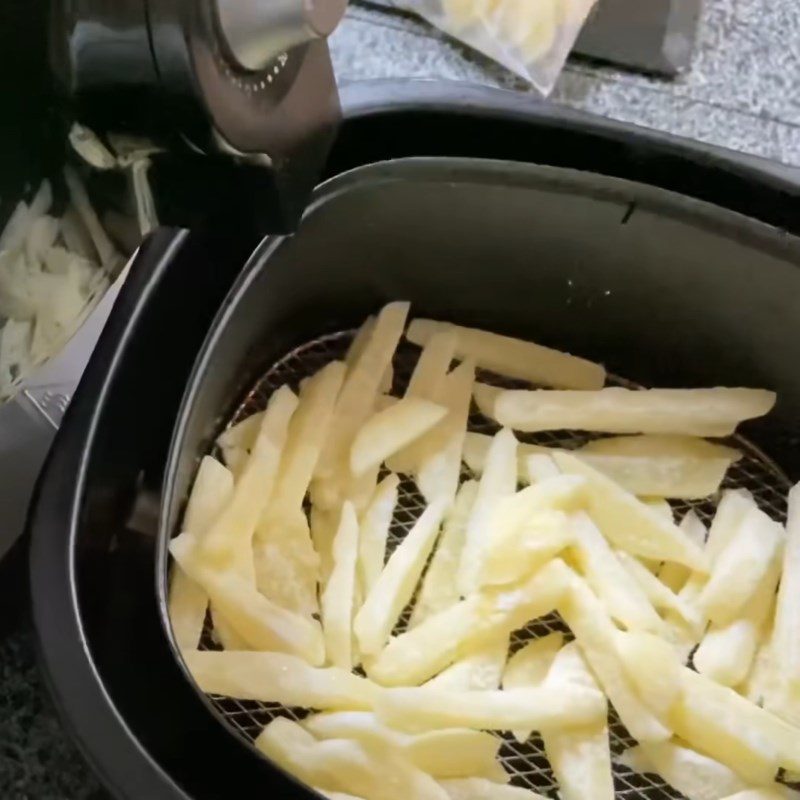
(665, 290)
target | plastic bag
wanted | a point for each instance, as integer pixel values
(530, 37)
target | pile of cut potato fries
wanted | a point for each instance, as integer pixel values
(692, 635)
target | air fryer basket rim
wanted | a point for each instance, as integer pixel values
(472, 172)
(67, 658)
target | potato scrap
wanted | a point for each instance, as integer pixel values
(514, 357)
(683, 412)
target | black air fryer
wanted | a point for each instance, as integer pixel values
(674, 263)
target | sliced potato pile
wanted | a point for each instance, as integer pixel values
(53, 267)
(692, 637)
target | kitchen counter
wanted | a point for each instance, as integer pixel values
(741, 91)
(739, 94)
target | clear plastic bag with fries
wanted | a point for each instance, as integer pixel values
(530, 37)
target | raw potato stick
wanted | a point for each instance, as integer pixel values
(611, 582)
(439, 640)
(677, 478)
(693, 412)
(525, 549)
(660, 595)
(514, 357)
(741, 567)
(224, 632)
(374, 532)
(476, 448)
(80, 200)
(439, 467)
(395, 585)
(279, 678)
(482, 789)
(498, 481)
(653, 668)
(661, 446)
(686, 471)
(425, 383)
(338, 598)
(726, 652)
(439, 589)
(674, 576)
(531, 663)
(423, 708)
(213, 487)
(433, 365)
(308, 430)
(356, 401)
(597, 637)
(629, 524)
(480, 670)
(447, 753)
(391, 430)
(345, 765)
(694, 775)
(228, 543)
(751, 741)
(786, 637)
(580, 758)
(287, 566)
(260, 622)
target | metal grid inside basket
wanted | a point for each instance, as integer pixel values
(526, 763)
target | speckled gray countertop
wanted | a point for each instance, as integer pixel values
(742, 92)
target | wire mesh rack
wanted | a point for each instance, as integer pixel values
(526, 763)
